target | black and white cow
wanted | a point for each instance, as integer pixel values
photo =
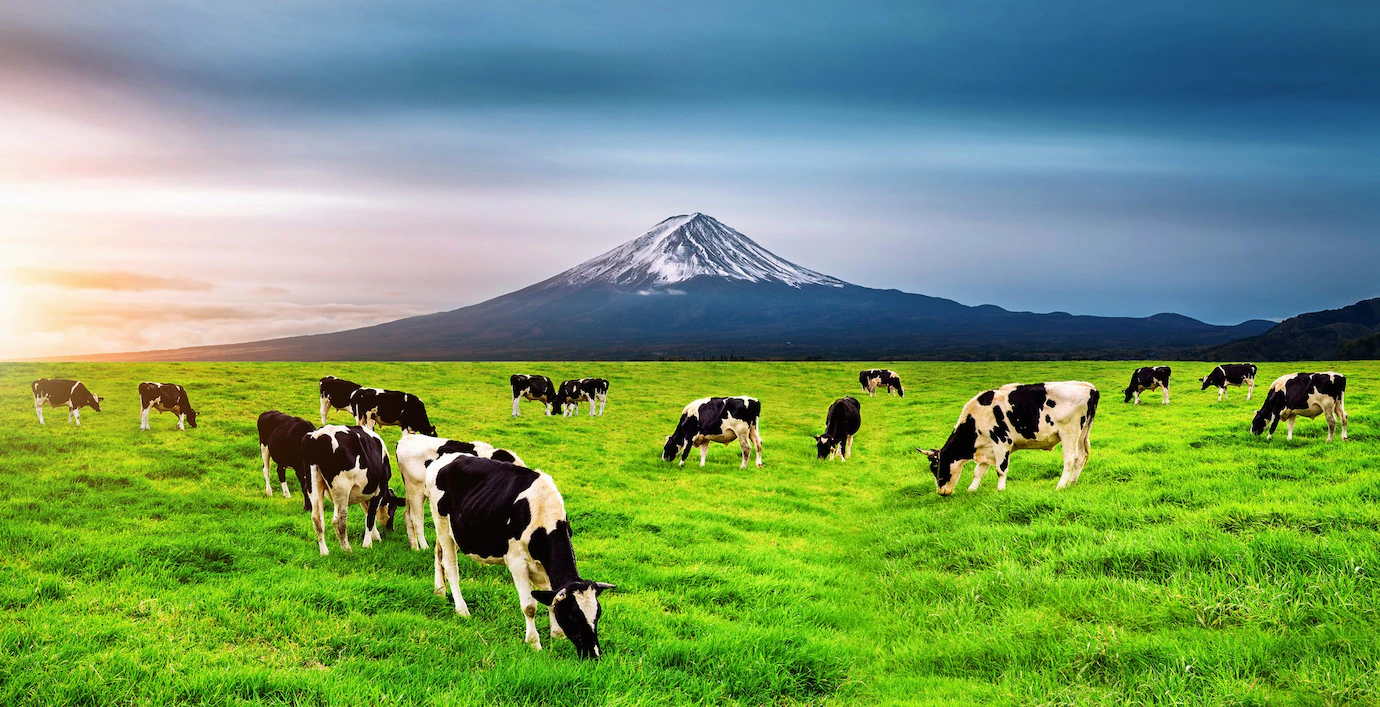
(375, 406)
(719, 420)
(840, 424)
(538, 388)
(502, 513)
(57, 393)
(591, 390)
(280, 441)
(415, 451)
(1148, 378)
(874, 378)
(1230, 374)
(335, 395)
(165, 397)
(1296, 395)
(349, 465)
(997, 422)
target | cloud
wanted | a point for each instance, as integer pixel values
(272, 290)
(116, 280)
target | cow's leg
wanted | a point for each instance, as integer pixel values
(371, 525)
(1084, 451)
(144, 419)
(515, 406)
(1289, 424)
(305, 481)
(263, 452)
(1001, 470)
(704, 452)
(591, 407)
(757, 442)
(182, 422)
(76, 415)
(1071, 448)
(1341, 413)
(38, 408)
(282, 482)
(745, 443)
(318, 495)
(548, 409)
(340, 515)
(517, 566)
(1331, 417)
(1137, 397)
(603, 401)
(1250, 388)
(445, 540)
(848, 448)
(979, 469)
(439, 581)
(325, 409)
(414, 515)
(1221, 393)
(1166, 396)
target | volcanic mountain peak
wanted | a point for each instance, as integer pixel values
(683, 247)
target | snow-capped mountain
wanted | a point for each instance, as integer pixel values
(687, 246)
(740, 300)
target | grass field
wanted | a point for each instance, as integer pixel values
(1192, 564)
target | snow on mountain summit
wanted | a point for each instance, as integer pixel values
(687, 246)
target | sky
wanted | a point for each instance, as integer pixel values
(183, 173)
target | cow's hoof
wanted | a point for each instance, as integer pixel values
(557, 633)
(462, 610)
(439, 591)
(268, 492)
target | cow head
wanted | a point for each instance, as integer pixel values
(576, 610)
(945, 470)
(673, 447)
(1260, 422)
(900, 389)
(191, 417)
(1205, 383)
(388, 508)
(823, 445)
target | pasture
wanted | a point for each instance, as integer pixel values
(1193, 564)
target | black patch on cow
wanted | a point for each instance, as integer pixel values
(1000, 432)
(1049, 420)
(986, 397)
(1050, 403)
(503, 455)
(960, 446)
(451, 446)
(1027, 402)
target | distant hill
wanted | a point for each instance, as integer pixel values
(1347, 333)
(692, 287)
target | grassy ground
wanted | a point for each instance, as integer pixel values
(1193, 563)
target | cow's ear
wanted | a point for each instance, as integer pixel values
(543, 596)
(601, 587)
(99, 398)
(931, 453)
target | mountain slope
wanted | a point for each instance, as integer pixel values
(692, 287)
(1349, 332)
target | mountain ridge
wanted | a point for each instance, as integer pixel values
(692, 287)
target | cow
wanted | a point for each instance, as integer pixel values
(1296, 395)
(1148, 378)
(415, 451)
(591, 390)
(375, 406)
(840, 424)
(1230, 374)
(538, 388)
(58, 392)
(335, 395)
(997, 422)
(502, 513)
(873, 378)
(349, 465)
(280, 441)
(719, 420)
(165, 397)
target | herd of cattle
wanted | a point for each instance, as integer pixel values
(487, 504)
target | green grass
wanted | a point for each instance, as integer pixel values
(1192, 564)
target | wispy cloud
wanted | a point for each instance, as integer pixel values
(115, 280)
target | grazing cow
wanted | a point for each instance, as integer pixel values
(501, 513)
(415, 452)
(873, 378)
(996, 422)
(335, 395)
(842, 422)
(536, 388)
(719, 420)
(1148, 378)
(1230, 374)
(349, 465)
(574, 392)
(165, 397)
(374, 406)
(57, 393)
(280, 441)
(1296, 395)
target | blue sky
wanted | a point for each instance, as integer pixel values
(284, 168)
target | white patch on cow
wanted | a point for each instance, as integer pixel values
(588, 602)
